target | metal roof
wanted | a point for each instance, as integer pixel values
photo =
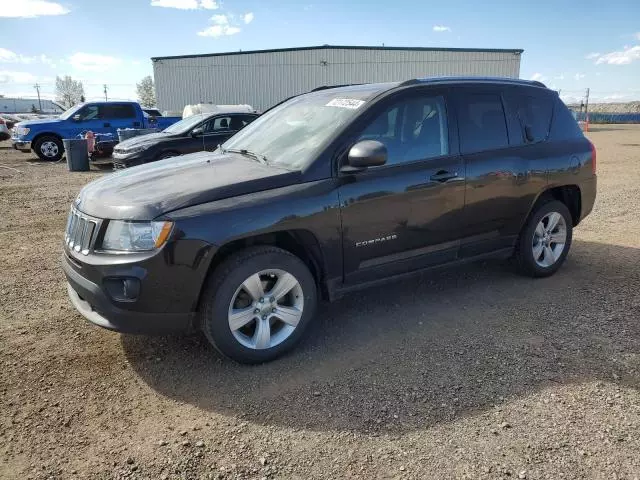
(517, 51)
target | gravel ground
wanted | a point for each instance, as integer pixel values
(470, 373)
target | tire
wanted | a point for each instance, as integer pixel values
(537, 255)
(49, 148)
(261, 335)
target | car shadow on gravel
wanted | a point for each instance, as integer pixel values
(419, 352)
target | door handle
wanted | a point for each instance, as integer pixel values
(107, 125)
(443, 176)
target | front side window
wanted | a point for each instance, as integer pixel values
(90, 112)
(411, 129)
(482, 123)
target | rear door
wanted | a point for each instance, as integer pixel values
(120, 115)
(502, 172)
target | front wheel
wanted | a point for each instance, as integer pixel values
(545, 240)
(49, 148)
(257, 304)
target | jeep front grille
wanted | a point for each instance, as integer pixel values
(81, 232)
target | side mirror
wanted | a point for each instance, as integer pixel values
(76, 117)
(197, 131)
(365, 154)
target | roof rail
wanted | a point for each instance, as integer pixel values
(326, 87)
(502, 80)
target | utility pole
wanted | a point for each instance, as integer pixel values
(105, 93)
(37, 87)
(586, 109)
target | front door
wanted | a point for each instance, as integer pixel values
(404, 215)
(89, 118)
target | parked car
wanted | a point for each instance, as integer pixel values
(4, 130)
(325, 194)
(193, 134)
(44, 137)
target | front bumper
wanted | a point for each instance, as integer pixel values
(126, 161)
(94, 304)
(22, 145)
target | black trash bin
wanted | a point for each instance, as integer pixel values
(77, 154)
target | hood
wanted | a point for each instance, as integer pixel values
(41, 121)
(147, 191)
(144, 139)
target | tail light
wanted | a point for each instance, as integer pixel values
(593, 158)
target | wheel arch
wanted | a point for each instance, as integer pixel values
(300, 242)
(41, 135)
(569, 194)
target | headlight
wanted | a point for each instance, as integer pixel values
(22, 131)
(135, 236)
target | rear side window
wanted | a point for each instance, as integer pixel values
(482, 123)
(119, 111)
(564, 125)
(534, 115)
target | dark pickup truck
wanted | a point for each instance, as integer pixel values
(327, 193)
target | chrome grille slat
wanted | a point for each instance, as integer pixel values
(81, 232)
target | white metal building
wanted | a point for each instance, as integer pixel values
(262, 78)
(28, 105)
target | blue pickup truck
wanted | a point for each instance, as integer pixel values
(44, 137)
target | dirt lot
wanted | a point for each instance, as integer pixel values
(471, 373)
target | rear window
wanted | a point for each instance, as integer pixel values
(482, 123)
(534, 113)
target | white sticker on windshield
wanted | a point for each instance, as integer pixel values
(351, 103)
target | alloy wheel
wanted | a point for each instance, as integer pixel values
(549, 239)
(266, 309)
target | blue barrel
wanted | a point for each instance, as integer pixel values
(77, 154)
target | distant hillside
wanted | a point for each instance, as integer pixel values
(630, 107)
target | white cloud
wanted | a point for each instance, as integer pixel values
(621, 57)
(209, 4)
(248, 17)
(637, 35)
(31, 8)
(579, 76)
(592, 55)
(441, 28)
(7, 56)
(538, 77)
(16, 77)
(93, 62)
(186, 4)
(559, 77)
(221, 27)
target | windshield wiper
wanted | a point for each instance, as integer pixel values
(247, 153)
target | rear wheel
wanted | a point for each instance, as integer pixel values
(49, 148)
(545, 241)
(257, 304)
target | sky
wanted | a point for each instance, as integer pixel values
(569, 45)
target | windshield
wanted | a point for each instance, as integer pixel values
(291, 133)
(69, 113)
(184, 125)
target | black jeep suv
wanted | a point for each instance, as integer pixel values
(324, 194)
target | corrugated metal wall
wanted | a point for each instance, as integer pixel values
(262, 79)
